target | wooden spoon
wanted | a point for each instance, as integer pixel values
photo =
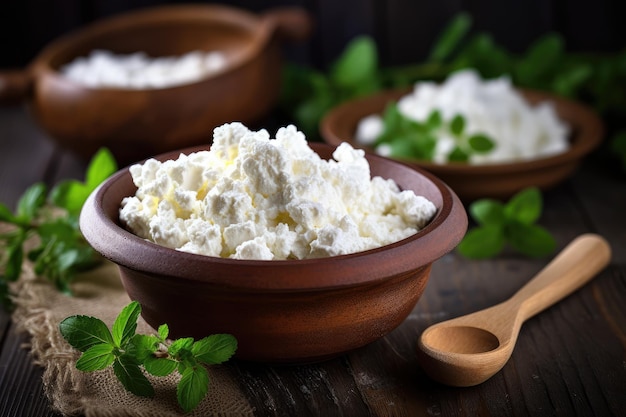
(468, 350)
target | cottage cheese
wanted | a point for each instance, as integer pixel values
(254, 197)
(102, 68)
(491, 107)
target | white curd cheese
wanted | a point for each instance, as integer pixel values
(255, 197)
(102, 68)
(491, 107)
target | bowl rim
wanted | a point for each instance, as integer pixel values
(120, 246)
(586, 132)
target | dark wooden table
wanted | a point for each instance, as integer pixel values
(569, 361)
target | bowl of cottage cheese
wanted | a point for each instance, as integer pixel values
(157, 79)
(534, 138)
(301, 250)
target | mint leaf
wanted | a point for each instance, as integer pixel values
(14, 258)
(450, 38)
(458, 155)
(403, 147)
(482, 242)
(129, 374)
(31, 201)
(457, 125)
(142, 346)
(68, 258)
(487, 211)
(179, 345)
(95, 358)
(101, 166)
(6, 215)
(71, 194)
(159, 366)
(357, 64)
(481, 143)
(525, 206)
(571, 80)
(310, 111)
(434, 120)
(126, 323)
(62, 252)
(192, 387)
(530, 239)
(83, 332)
(59, 229)
(163, 331)
(214, 349)
(511, 223)
(540, 59)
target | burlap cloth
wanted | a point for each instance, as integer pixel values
(99, 293)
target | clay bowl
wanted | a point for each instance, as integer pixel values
(135, 124)
(292, 311)
(471, 182)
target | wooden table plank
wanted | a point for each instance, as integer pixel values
(22, 391)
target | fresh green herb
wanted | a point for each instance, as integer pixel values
(127, 352)
(408, 138)
(61, 251)
(452, 35)
(512, 222)
(307, 94)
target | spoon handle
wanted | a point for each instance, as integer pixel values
(580, 261)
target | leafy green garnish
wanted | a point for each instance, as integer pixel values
(128, 352)
(512, 223)
(308, 94)
(62, 251)
(408, 138)
(71, 194)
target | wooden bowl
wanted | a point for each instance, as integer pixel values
(498, 180)
(289, 311)
(135, 124)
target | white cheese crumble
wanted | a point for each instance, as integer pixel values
(492, 107)
(254, 197)
(102, 68)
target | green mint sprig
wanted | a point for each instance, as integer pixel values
(127, 352)
(61, 251)
(408, 138)
(307, 93)
(511, 223)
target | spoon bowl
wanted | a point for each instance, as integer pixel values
(468, 350)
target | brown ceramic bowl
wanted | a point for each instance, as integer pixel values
(290, 311)
(135, 124)
(471, 182)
